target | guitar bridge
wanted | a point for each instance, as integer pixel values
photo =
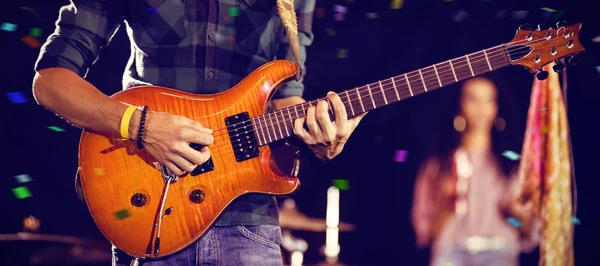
(242, 136)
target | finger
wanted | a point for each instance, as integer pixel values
(174, 169)
(301, 133)
(194, 156)
(341, 116)
(191, 135)
(198, 126)
(327, 128)
(313, 125)
(182, 163)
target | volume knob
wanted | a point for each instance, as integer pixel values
(197, 196)
(138, 199)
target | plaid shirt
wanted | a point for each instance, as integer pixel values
(196, 46)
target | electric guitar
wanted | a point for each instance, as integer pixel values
(146, 211)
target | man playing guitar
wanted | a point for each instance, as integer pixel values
(203, 47)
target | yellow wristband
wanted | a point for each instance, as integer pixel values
(125, 121)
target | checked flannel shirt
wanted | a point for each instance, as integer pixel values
(201, 46)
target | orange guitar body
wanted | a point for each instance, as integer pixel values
(112, 170)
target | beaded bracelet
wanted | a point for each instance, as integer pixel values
(140, 144)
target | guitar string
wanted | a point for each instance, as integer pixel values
(473, 60)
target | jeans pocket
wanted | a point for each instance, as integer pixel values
(268, 235)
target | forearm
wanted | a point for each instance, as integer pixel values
(76, 100)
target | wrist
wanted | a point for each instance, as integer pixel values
(134, 124)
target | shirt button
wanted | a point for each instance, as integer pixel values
(211, 37)
(211, 75)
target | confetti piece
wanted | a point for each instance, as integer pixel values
(371, 15)
(32, 42)
(521, 14)
(401, 156)
(511, 155)
(21, 192)
(340, 9)
(122, 214)
(341, 184)
(8, 26)
(320, 12)
(596, 39)
(513, 222)
(342, 53)
(575, 220)
(338, 16)
(99, 171)
(37, 32)
(397, 4)
(548, 9)
(460, 15)
(234, 11)
(24, 178)
(16, 97)
(598, 69)
(55, 128)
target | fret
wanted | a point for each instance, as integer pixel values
(480, 66)
(383, 92)
(278, 125)
(360, 100)
(303, 110)
(487, 59)
(462, 68)
(437, 75)
(408, 82)
(446, 76)
(259, 132)
(296, 110)
(395, 89)
(267, 128)
(422, 80)
(471, 68)
(430, 77)
(371, 95)
(350, 103)
(453, 72)
(291, 118)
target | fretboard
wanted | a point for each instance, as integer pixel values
(278, 125)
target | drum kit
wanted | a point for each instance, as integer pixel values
(31, 248)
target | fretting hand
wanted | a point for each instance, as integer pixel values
(324, 137)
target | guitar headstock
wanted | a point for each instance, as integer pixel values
(535, 48)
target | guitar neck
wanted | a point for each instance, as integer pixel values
(278, 125)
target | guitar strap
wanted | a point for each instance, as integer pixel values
(290, 23)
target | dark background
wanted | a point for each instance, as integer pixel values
(399, 40)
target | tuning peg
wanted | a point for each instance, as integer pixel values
(558, 67)
(574, 60)
(561, 24)
(542, 75)
(525, 26)
(542, 26)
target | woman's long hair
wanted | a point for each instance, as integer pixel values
(446, 141)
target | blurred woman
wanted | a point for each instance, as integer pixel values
(465, 205)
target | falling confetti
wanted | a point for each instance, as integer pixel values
(338, 16)
(340, 9)
(55, 128)
(234, 11)
(397, 4)
(547, 9)
(342, 53)
(596, 39)
(371, 15)
(16, 97)
(575, 220)
(122, 214)
(401, 156)
(24, 178)
(21, 192)
(341, 184)
(33, 12)
(513, 222)
(598, 69)
(37, 32)
(460, 16)
(521, 14)
(99, 171)
(32, 42)
(511, 155)
(8, 26)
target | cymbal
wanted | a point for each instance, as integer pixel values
(290, 218)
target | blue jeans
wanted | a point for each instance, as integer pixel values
(461, 257)
(232, 245)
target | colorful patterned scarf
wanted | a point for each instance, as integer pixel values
(545, 170)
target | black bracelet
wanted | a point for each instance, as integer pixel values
(140, 134)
